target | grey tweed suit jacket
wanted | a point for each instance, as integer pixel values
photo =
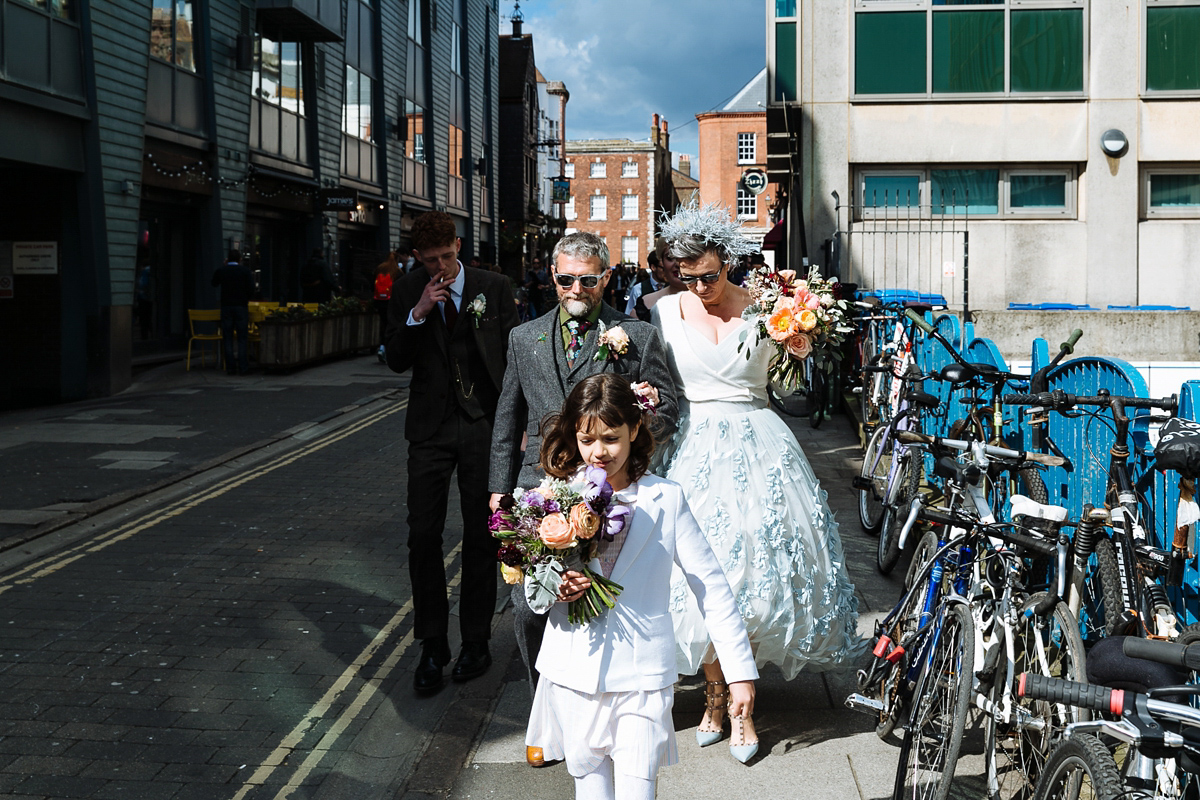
(537, 381)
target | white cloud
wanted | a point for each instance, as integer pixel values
(624, 60)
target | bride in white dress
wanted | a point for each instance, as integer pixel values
(746, 480)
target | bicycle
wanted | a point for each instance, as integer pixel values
(1139, 570)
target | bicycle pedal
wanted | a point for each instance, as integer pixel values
(860, 483)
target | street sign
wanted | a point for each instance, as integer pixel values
(754, 181)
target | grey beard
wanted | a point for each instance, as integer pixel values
(577, 308)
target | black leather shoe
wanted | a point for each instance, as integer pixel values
(435, 654)
(473, 661)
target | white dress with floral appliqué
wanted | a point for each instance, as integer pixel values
(759, 504)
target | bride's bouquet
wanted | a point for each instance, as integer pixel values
(555, 527)
(804, 318)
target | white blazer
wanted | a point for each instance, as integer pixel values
(632, 647)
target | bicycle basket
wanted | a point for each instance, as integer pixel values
(1178, 447)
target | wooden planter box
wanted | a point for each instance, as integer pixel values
(292, 344)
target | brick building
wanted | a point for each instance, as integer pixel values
(618, 188)
(732, 141)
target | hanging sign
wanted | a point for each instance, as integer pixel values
(754, 180)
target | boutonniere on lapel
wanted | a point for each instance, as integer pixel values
(611, 344)
(477, 307)
(541, 337)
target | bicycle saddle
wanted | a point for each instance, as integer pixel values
(1107, 665)
(918, 307)
(922, 399)
(1178, 447)
(958, 373)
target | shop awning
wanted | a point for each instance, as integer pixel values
(774, 237)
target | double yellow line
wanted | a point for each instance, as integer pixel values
(51, 564)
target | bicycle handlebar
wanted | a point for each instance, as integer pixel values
(1069, 345)
(919, 321)
(911, 437)
(1083, 695)
(1173, 653)
(1059, 400)
(1039, 546)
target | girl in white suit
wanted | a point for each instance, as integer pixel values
(603, 703)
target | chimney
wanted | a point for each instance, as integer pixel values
(685, 165)
(666, 137)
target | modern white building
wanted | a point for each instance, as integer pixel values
(1049, 149)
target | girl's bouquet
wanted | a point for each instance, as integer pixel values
(556, 527)
(804, 318)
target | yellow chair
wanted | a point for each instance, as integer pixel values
(258, 312)
(204, 317)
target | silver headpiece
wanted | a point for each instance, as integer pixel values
(695, 229)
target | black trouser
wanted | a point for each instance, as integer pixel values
(381, 308)
(462, 444)
(530, 628)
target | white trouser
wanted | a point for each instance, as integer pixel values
(599, 785)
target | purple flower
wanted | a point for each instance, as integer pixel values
(501, 521)
(615, 521)
(510, 556)
(534, 500)
(528, 526)
(597, 491)
(552, 506)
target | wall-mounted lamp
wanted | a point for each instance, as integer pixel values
(1114, 143)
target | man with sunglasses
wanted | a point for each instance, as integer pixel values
(546, 358)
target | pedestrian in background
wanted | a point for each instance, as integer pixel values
(385, 275)
(319, 281)
(450, 325)
(237, 287)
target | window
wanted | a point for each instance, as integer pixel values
(747, 153)
(170, 32)
(599, 170)
(569, 208)
(359, 159)
(277, 109)
(629, 249)
(1171, 191)
(629, 206)
(599, 206)
(569, 169)
(1172, 47)
(629, 169)
(988, 191)
(456, 194)
(747, 204)
(174, 88)
(955, 48)
(416, 93)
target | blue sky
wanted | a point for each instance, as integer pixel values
(623, 60)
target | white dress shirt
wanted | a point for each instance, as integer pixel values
(456, 293)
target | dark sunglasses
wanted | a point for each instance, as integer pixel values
(586, 281)
(712, 277)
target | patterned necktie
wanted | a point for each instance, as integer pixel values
(577, 328)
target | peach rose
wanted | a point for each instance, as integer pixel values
(800, 287)
(511, 575)
(556, 532)
(807, 320)
(584, 522)
(617, 339)
(788, 275)
(782, 323)
(799, 345)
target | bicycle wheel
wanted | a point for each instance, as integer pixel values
(895, 511)
(939, 715)
(1101, 603)
(796, 404)
(818, 383)
(1081, 768)
(868, 400)
(875, 469)
(1017, 750)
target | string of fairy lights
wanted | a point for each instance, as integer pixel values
(252, 179)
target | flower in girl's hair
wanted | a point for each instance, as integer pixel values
(583, 521)
(647, 397)
(556, 532)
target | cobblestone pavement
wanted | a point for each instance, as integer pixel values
(244, 631)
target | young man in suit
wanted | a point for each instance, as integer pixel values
(546, 358)
(449, 324)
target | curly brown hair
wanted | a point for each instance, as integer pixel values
(604, 398)
(433, 229)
